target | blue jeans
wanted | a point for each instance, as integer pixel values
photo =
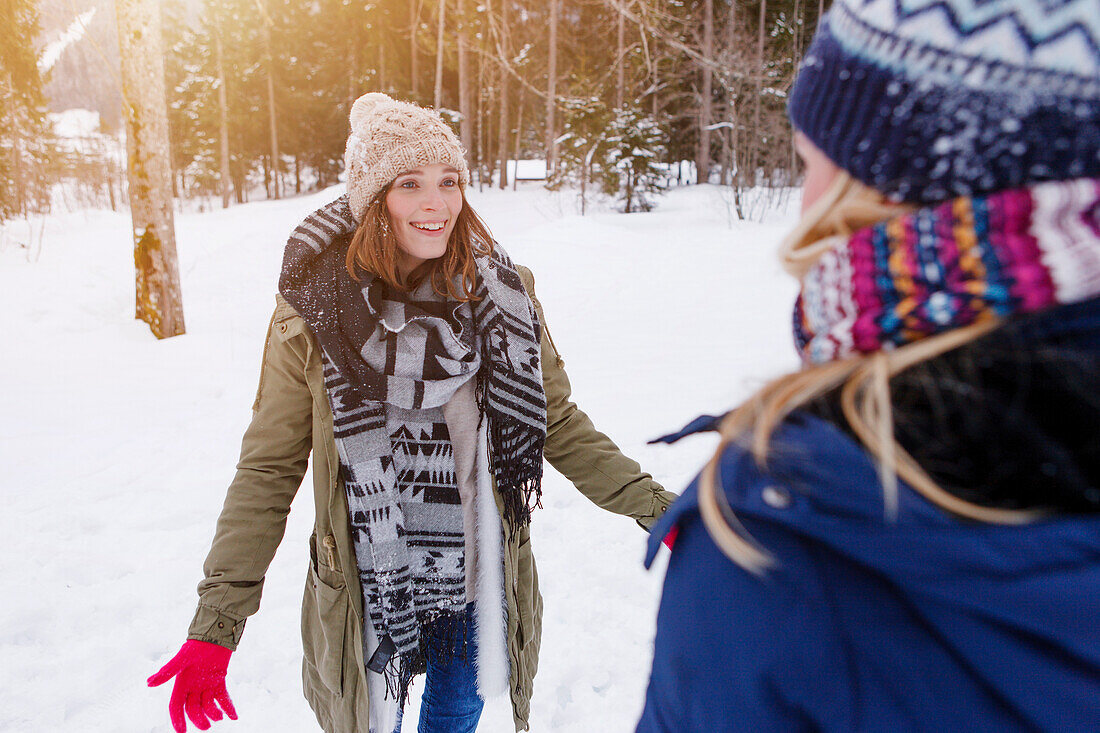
(450, 703)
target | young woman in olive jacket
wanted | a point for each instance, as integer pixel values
(421, 318)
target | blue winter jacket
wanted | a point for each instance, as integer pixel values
(928, 623)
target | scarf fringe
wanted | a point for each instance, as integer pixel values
(519, 481)
(444, 638)
(518, 477)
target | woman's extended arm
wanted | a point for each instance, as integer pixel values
(582, 453)
(274, 455)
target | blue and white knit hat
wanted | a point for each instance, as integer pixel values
(929, 99)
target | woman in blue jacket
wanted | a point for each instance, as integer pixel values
(905, 534)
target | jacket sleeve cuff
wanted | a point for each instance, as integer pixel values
(216, 627)
(661, 501)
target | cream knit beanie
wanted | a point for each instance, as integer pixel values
(389, 137)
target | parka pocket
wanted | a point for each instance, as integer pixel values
(325, 611)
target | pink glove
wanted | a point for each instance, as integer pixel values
(199, 668)
(670, 538)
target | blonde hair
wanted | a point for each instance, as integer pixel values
(863, 381)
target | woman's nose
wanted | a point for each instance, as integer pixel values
(432, 201)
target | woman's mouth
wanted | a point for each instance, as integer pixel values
(429, 227)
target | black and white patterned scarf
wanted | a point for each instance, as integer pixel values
(391, 361)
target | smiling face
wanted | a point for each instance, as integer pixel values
(423, 204)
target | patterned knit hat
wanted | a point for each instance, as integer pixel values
(389, 137)
(925, 100)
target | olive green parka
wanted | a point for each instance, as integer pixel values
(292, 417)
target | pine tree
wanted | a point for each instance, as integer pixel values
(191, 88)
(585, 122)
(634, 145)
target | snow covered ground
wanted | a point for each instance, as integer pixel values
(116, 448)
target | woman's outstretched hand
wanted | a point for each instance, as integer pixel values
(199, 668)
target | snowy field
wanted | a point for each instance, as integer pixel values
(116, 448)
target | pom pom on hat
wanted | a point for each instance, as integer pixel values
(366, 106)
(389, 137)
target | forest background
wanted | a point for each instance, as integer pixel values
(611, 94)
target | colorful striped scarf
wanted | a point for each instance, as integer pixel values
(945, 266)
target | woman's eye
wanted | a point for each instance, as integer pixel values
(408, 184)
(450, 182)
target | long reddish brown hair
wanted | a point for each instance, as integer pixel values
(374, 249)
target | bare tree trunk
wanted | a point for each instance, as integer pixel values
(16, 148)
(502, 133)
(438, 98)
(729, 136)
(655, 77)
(586, 172)
(17, 159)
(353, 61)
(551, 88)
(466, 124)
(353, 64)
(702, 157)
(620, 51)
(381, 44)
(481, 157)
(519, 132)
(735, 134)
(414, 27)
(240, 193)
(799, 12)
(158, 300)
(759, 92)
(269, 60)
(480, 123)
(223, 123)
(724, 164)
